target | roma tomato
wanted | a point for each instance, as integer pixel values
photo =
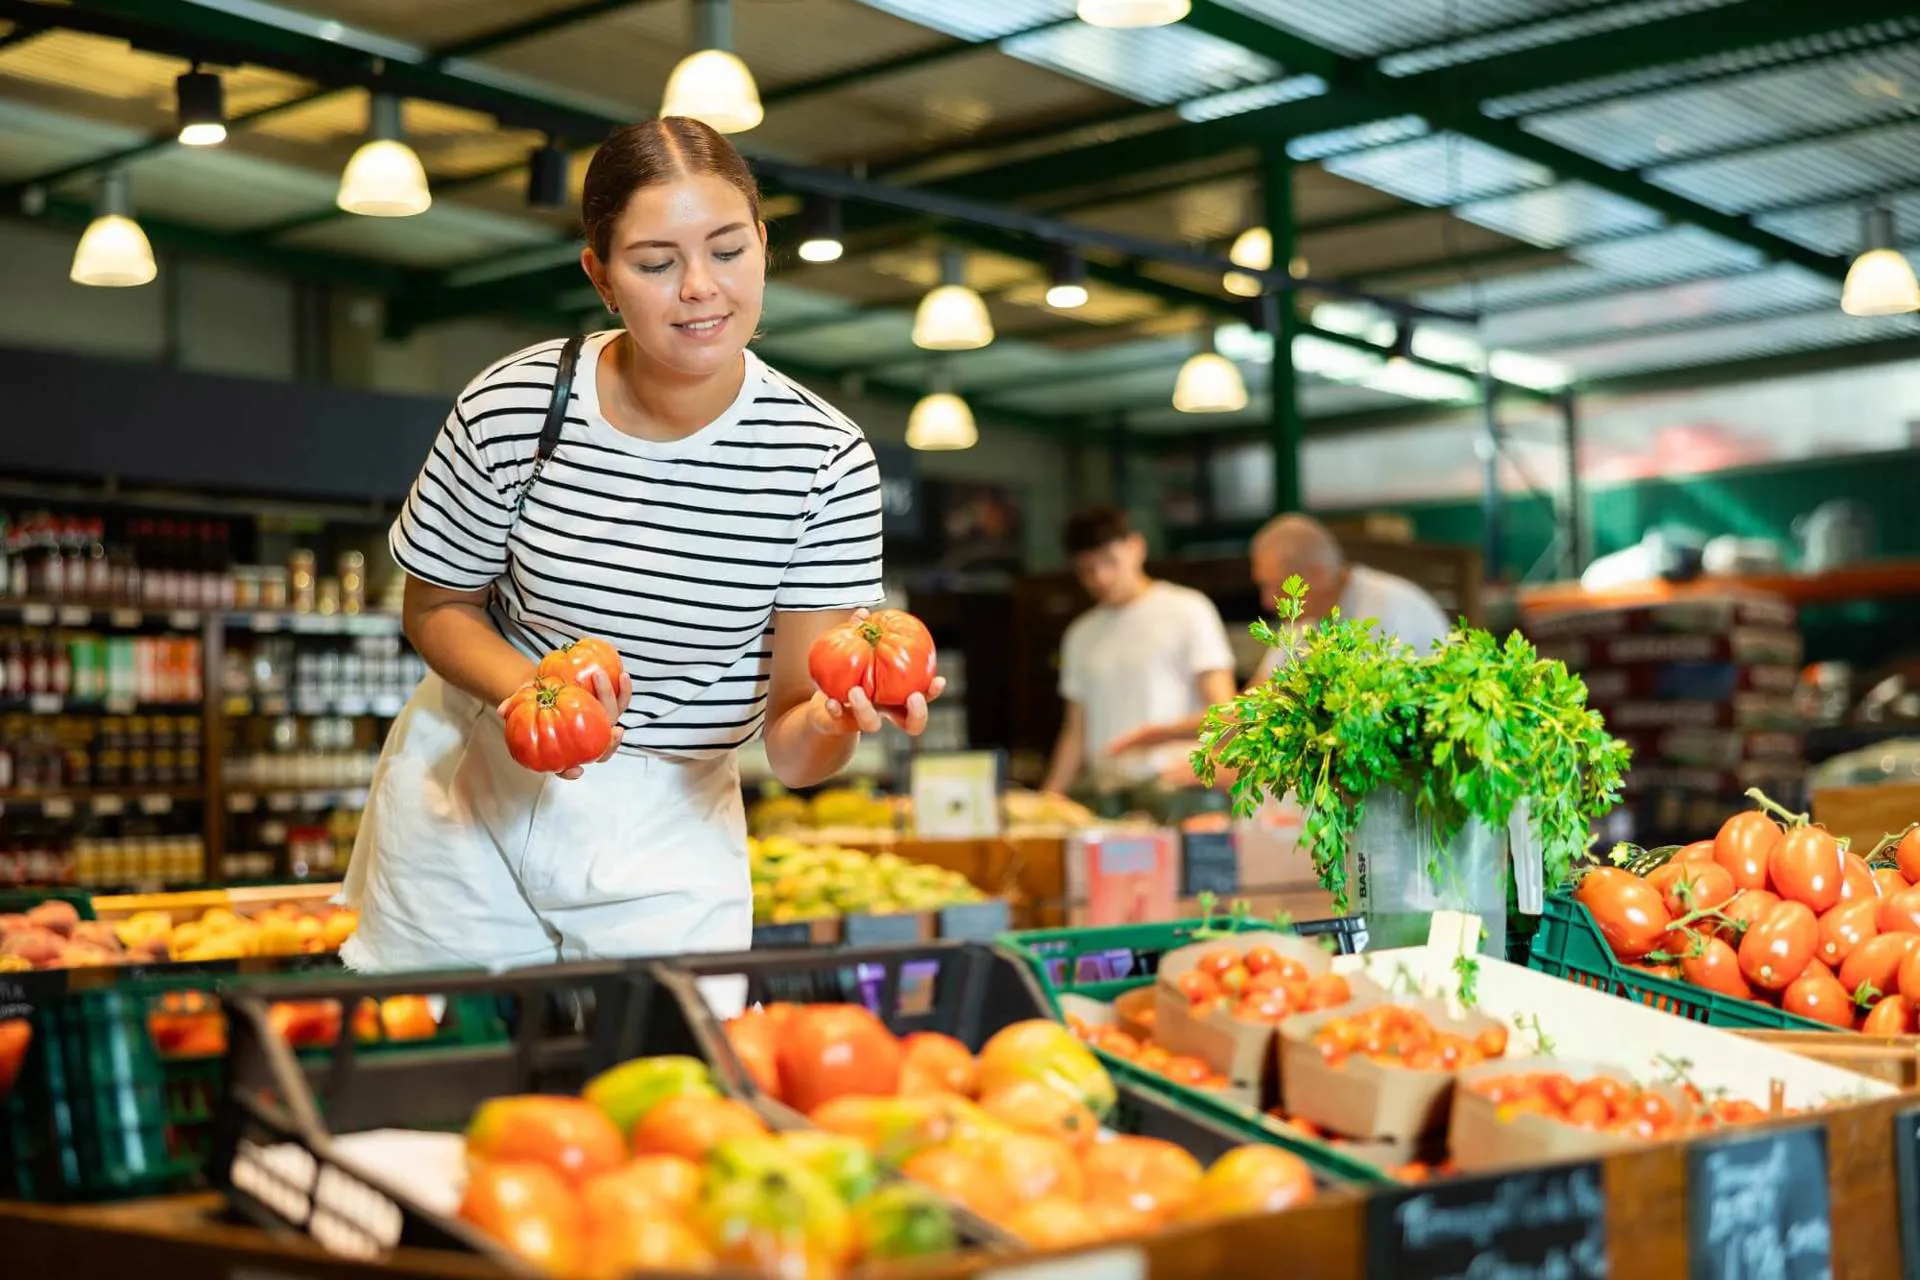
(1891, 881)
(1628, 910)
(1690, 886)
(553, 726)
(1900, 913)
(1817, 994)
(1775, 951)
(833, 1050)
(1908, 979)
(580, 661)
(1805, 867)
(1907, 855)
(1744, 844)
(1844, 927)
(1698, 851)
(1747, 907)
(1715, 967)
(1856, 877)
(1893, 1016)
(1876, 962)
(888, 654)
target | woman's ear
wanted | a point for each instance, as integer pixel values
(597, 273)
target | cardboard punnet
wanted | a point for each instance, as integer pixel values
(1479, 1138)
(1240, 1051)
(1362, 1098)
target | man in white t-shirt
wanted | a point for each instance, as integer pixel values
(1147, 653)
(1297, 544)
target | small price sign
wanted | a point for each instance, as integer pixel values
(107, 806)
(1209, 863)
(37, 615)
(1759, 1206)
(774, 937)
(156, 804)
(75, 615)
(1906, 1162)
(871, 930)
(974, 921)
(124, 618)
(1546, 1224)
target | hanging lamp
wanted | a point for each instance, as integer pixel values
(941, 421)
(1209, 382)
(712, 85)
(384, 179)
(113, 252)
(1880, 282)
(1132, 13)
(1252, 249)
(952, 317)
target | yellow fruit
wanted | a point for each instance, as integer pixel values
(338, 927)
(219, 918)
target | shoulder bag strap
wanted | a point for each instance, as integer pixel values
(556, 414)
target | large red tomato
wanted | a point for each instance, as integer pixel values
(830, 1051)
(553, 726)
(889, 654)
(531, 1210)
(1743, 845)
(1629, 911)
(1776, 950)
(580, 661)
(1805, 866)
(571, 1136)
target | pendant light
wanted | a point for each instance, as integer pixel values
(1209, 383)
(821, 226)
(548, 179)
(1880, 282)
(941, 420)
(113, 252)
(384, 179)
(1252, 249)
(1133, 13)
(1400, 353)
(200, 102)
(1067, 287)
(952, 317)
(712, 85)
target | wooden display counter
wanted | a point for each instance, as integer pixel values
(1646, 1214)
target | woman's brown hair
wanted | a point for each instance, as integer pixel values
(655, 151)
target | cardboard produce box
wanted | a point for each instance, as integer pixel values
(1363, 1098)
(1479, 1138)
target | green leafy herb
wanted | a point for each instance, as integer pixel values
(1543, 1045)
(1468, 967)
(1466, 731)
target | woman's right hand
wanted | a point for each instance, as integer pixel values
(614, 700)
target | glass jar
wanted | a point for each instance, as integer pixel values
(353, 582)
(301, 585)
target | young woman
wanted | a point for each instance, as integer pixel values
(702, 512)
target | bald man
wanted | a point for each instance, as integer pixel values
(1298, 544)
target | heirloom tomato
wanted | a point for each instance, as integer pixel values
(582, 660)
(888, 654)
(552, 727)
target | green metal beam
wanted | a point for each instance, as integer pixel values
(1497, 259)
(439, 187)
(543, 24)
(914, 61)
(1285, 428)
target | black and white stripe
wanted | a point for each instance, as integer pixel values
(679, 554)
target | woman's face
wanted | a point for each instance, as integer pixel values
(687, 269)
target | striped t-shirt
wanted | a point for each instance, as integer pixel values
(679, 553)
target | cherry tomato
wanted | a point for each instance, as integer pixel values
(1650, 1106)
(553, 726)
(1875, 963)
(1716, 967)
(1216, 961)
(1845, 926)
(1856, 878)
(889, 654)
(1326, 991)
(1743, 845)
(1589, 1112)
(1893, 1016)
(1805, 867)
(580, 661)
(1900, 913)
(1260, 958)
(1907, 855)
(1234, 980)
(1817, 994)
(1628, 910)
(1775, 951)
(1197, 985)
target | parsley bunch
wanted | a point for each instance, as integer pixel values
(1466, 731)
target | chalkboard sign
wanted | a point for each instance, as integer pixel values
(1906, 1160)
(773, 937)
(1758, 1206)
(1208, 864)
(1544, 1224)
(866, 931)
(974, 921)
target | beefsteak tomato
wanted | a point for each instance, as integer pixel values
(832, 1050)
(888, 654)
(553, 726)
(582, 660)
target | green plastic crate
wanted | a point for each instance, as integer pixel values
(1057, 956)
(1569, 945)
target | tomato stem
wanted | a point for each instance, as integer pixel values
(1769, 805)
(1889, 840)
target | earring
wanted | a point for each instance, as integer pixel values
(613, 308)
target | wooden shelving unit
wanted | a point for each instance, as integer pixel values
(1881, 580)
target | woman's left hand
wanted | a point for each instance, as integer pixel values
(857, 714)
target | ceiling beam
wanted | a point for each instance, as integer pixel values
(917, 60)
(542, 24)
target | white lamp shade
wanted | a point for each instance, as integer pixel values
(1241, 285)
(1880, 283)
(715, 88)
(1132, 13)
(1209, 383)
(384, 180)
(1066, 296)
(205, 133)
(941, 420)
(952, 317)
(821, 249)
(1252, 249)
(113, 253)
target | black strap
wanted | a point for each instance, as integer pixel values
(556, 414)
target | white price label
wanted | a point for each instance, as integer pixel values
(314, 624)
(350, 706)
(107, 806)
(156, 804)
(183, 620)
(388, 706)
(57, 807)
(266, 622)
(282, 802)
(75, 615)
(1107, 1264)
(46, 704)
(121, 706)
(273, 706)
(242, 802)
(37, 615)
(124, 618)
(316, 800)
